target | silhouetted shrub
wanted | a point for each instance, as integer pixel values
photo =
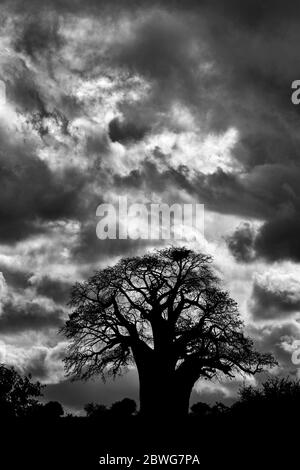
(119, 409)
(17, 394)
(49, 410)
(203, 410)
(94, 410)
(123, 408)
(52, 409)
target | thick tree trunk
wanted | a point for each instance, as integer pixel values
(164, 392)
(161, 395)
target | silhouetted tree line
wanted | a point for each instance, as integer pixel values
(276, 397)
(120, 409)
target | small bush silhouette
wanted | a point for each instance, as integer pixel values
(94, 410)
(203, 410)
(123, 408)
(52, 409)
(120, 409)
(276, 396)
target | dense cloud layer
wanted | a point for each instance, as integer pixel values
(165, 100)
(15, 319)
(268, 304)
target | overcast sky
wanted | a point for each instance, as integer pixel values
(173, 101)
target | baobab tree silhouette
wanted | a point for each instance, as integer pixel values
(165, 312)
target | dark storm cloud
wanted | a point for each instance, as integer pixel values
(15, 278)
(263, 194)
(37, 38)
(274, 339)
(227, 193)
(278, 239)
(25, 90)
(248, 87)
(267, 121)
(36, 367)
(266, 304)
(165, 49)
(44, 286)
(241, 243)
(30, 316)
(170, 45)
(269, 193)
(125, 131)
(41, 199)
(46, 363)
(97, 144)
(242, 86)
(90, 249)
(251, 13)
(160, 48)
(150, 177)
(31, 195)
(54, 289)
(269, 147)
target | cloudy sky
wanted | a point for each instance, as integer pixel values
(165, 101)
